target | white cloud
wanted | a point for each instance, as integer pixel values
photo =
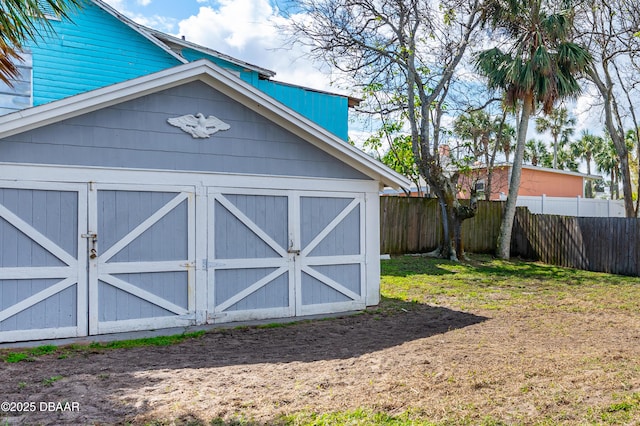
(116, 4)
(158, 22)
(248, 30)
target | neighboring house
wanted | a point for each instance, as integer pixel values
(143, 190)
(100, 47)
(535, 181)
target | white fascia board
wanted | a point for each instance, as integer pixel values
(560, 172)
(73, 106)
(221, 80)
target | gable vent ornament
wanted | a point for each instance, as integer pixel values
(198, 126)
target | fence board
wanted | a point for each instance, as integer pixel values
(412, 225)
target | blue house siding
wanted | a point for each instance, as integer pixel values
(329, 111)
(92, 51)
(95, 49)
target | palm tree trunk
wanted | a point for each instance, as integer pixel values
(503, 250)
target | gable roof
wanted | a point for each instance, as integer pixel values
(221, 80)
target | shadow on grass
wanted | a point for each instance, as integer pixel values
(406, 266)
(126, 371)
(392, 323)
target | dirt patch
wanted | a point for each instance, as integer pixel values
(440, 364)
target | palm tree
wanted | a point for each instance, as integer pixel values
(23, 20)
(534, 152)
(538, 68)
(504, 139)
(567, 160)
(475, 127)
(559, 124)
(607, 161)
(585, 148)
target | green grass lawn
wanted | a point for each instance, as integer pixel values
(485, 283)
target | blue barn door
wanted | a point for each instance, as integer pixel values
(141, 257)
(284, 253)
(250, 274)
(330, 269)
(43, 285)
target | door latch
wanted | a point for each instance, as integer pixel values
(292, 251)
(93, 252)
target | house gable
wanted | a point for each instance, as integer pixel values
(136, 135)
(21, 127)
(313, 104)
(98, 47)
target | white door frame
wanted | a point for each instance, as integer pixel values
(282, 263)
(304, 262)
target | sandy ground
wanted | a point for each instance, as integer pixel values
(440, 364)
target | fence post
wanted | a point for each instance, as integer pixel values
(578, 206)
(543, 197)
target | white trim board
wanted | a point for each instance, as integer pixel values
(54, 173)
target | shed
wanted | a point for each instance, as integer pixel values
(112, 219)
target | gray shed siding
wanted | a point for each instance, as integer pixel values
(135, 134)
(234, 240)
(88, 251)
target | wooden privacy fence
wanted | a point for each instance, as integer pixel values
(601, 244)
(412, 225)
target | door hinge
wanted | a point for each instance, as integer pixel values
(205, 264)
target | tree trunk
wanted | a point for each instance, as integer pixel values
(503, 250)
(612, 116)
(452, 213)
